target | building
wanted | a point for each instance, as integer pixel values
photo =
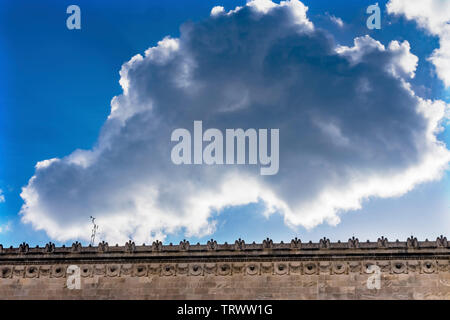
(383, 269)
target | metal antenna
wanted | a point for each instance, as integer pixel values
(94, 230)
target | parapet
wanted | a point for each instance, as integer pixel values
(352, 269)
(267, 248)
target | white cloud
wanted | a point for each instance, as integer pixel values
(403, 63)
(350, 126)
(5, 228)
(336, 20)
(217, 10)
(433, 16)
(263, 6)
(2, 197)
(361, 47)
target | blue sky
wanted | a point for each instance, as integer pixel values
(57, 86)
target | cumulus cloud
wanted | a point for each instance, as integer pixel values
(402, 64)
(351, 128)
(434, 17)
(2, 197)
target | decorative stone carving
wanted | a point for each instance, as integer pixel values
(413, 266)
(382, 242)
(32, 271)
(212, 245)
(58, 271)
(140, 270)
(429, 266)
(443, 266)
(184, 245)
(76, 247)
(210, 268)
(310, 268)
(267, 268)
(353, 243)
(295, 268)
(238, 268)
(428, 257)
(112, 270)
(168, 270)
(227, 269)
(324, 267)
(18, 271)
(324, 243)
(195, 269)
(267, 243)
(24, 248)
(182, 269)
(99, 270)
(239, 244)
(154, 269)
(296, 243)
(86, 271)
(157, 245)
(224, 269)
(252, 269)
(49, 247)
(130, 246)
(45, 271)
(354, 266)
(399, 267)
(412, 242)
(103, 246)
(6, 272)
(442, 242)
(126, 269)
(339, 267)
(385, 266)
(367, 265)
(281, 268)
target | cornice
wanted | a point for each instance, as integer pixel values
(266, 258)
(267, 249)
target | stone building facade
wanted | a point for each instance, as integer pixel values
(383, 269)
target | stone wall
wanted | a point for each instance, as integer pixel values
(295, 270)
